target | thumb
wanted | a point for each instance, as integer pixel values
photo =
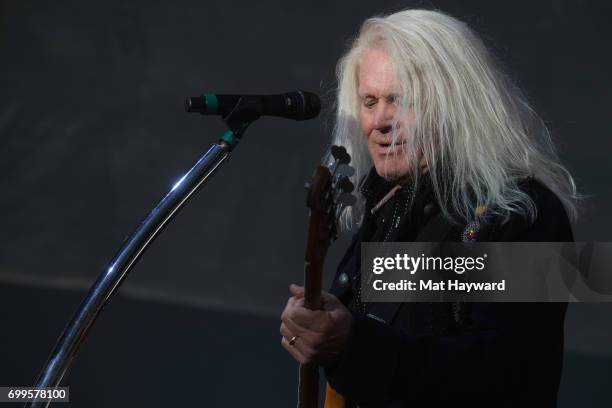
(297, 291)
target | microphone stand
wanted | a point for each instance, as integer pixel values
(110, 279)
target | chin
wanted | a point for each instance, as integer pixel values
(392, 169)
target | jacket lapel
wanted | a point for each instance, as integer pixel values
(437, 229)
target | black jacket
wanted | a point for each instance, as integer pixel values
(436, 354)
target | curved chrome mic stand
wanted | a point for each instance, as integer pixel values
(108, 282)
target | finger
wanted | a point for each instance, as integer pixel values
(308, 338)
(295, 353)
(296, 290)
(295, 328)
(293, 304)
(304, 339)
(306, 318)
(311, 329)
(295, 310)
(289, 307)
(301, 345)
(297, 301)
(289, 334)
(285, 331)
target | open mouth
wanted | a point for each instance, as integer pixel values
(386, 148)
(389, 144)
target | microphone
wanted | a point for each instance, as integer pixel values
(298, 105)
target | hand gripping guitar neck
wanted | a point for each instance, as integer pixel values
(329, 194)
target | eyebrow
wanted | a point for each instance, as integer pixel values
(364, 95)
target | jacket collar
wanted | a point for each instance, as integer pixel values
(373, 187)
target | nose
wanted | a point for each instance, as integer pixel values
(383, 116)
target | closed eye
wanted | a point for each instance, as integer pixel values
(393, 99)
(369, 101)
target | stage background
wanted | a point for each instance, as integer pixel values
(93, 132)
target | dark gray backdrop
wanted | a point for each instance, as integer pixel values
(93, 132)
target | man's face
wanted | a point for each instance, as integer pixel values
(379, 93)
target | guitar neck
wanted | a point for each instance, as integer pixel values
(308, 392)
(328, 194)
(313, 262)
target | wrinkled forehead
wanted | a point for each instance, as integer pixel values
(376, 73)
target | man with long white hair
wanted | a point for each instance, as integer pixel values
(447, 148)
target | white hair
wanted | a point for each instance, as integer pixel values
(473, 125)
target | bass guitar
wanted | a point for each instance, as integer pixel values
(328, 195)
